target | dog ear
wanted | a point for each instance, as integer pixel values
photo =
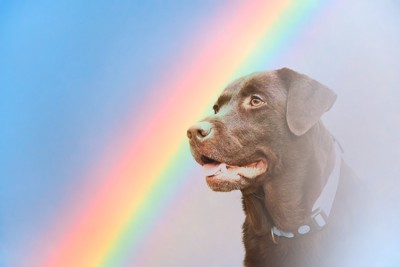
(306, 102)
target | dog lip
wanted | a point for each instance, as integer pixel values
(204, 159)
(208, 160)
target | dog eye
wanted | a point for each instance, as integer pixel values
(256, 101)
(216, 109)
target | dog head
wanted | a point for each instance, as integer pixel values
(259, 119)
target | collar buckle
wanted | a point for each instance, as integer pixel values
(319, 218)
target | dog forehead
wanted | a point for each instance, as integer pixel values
(261, 82)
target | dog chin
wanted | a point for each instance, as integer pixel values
(220, 184)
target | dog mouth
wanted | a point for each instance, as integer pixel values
(224, 171)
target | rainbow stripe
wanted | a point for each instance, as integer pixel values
(143, 180)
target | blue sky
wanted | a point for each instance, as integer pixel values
(72, 72)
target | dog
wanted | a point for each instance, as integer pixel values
(303, 205)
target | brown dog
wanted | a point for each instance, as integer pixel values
(300, 199)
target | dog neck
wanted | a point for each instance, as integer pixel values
(286, 198)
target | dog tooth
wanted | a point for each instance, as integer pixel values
(223, 167)
(250, 172)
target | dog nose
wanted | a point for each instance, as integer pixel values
(200, 130)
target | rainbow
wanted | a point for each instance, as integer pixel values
(141, 179)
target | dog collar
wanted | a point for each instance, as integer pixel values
(322, 206)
